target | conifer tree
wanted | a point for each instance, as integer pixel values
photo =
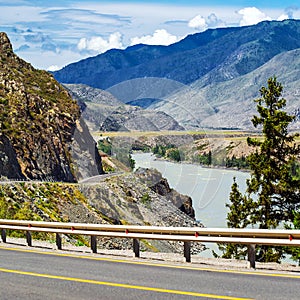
(272, 190)
(236, 218)
(239, 208)
(271, 178)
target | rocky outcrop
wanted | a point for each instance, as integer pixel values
(8, 160)
(160, 185)
(38, 120)
(84, 152)
(128, 199)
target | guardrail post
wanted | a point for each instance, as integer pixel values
(3, 235)
(251, 256)
(136, 247)
(187, 251)
(58, 241)
(28, 238)
(94, 243)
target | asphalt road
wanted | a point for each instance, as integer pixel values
(32, 274)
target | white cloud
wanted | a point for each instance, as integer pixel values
(283, 17)
(159, 37)
(85, 17)
(99, 44)
(64, 23)
(289, 13)
(252, 16)
(198, 23)
(53, 68)
(213, 21)
(201, 24)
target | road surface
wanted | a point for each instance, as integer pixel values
(36, 274)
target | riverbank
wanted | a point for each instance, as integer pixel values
(186, 162)
(212, 149)
(209, 188)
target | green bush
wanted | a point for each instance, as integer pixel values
(105, 146)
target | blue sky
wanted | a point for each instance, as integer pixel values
(51, 34)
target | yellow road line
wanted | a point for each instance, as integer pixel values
(113, 260)
(120, 285)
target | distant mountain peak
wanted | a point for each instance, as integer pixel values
(189, 59)
(206, 59)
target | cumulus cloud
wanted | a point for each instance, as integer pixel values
(198, 23)
(252, 16)
(289, 11)
(283, 17)
(99, 44)
(201, 23)
(159, 37)
(53, 68)
(213, 21)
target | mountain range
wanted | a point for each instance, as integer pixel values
(229, 104)
(204, 75)
(102, 111)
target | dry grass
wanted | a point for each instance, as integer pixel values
(210, 133)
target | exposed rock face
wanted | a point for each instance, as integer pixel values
(85, 153)
(8, 160)
(37, 123)
(5, 45)
(132, 118)
(128, 199)
(160, 185)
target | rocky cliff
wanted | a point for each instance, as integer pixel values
(41, 134)
(154, 180)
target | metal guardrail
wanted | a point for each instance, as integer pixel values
(249, 237)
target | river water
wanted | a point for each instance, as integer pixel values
(209, 188)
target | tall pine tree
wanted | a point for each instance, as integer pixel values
(272, 190)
